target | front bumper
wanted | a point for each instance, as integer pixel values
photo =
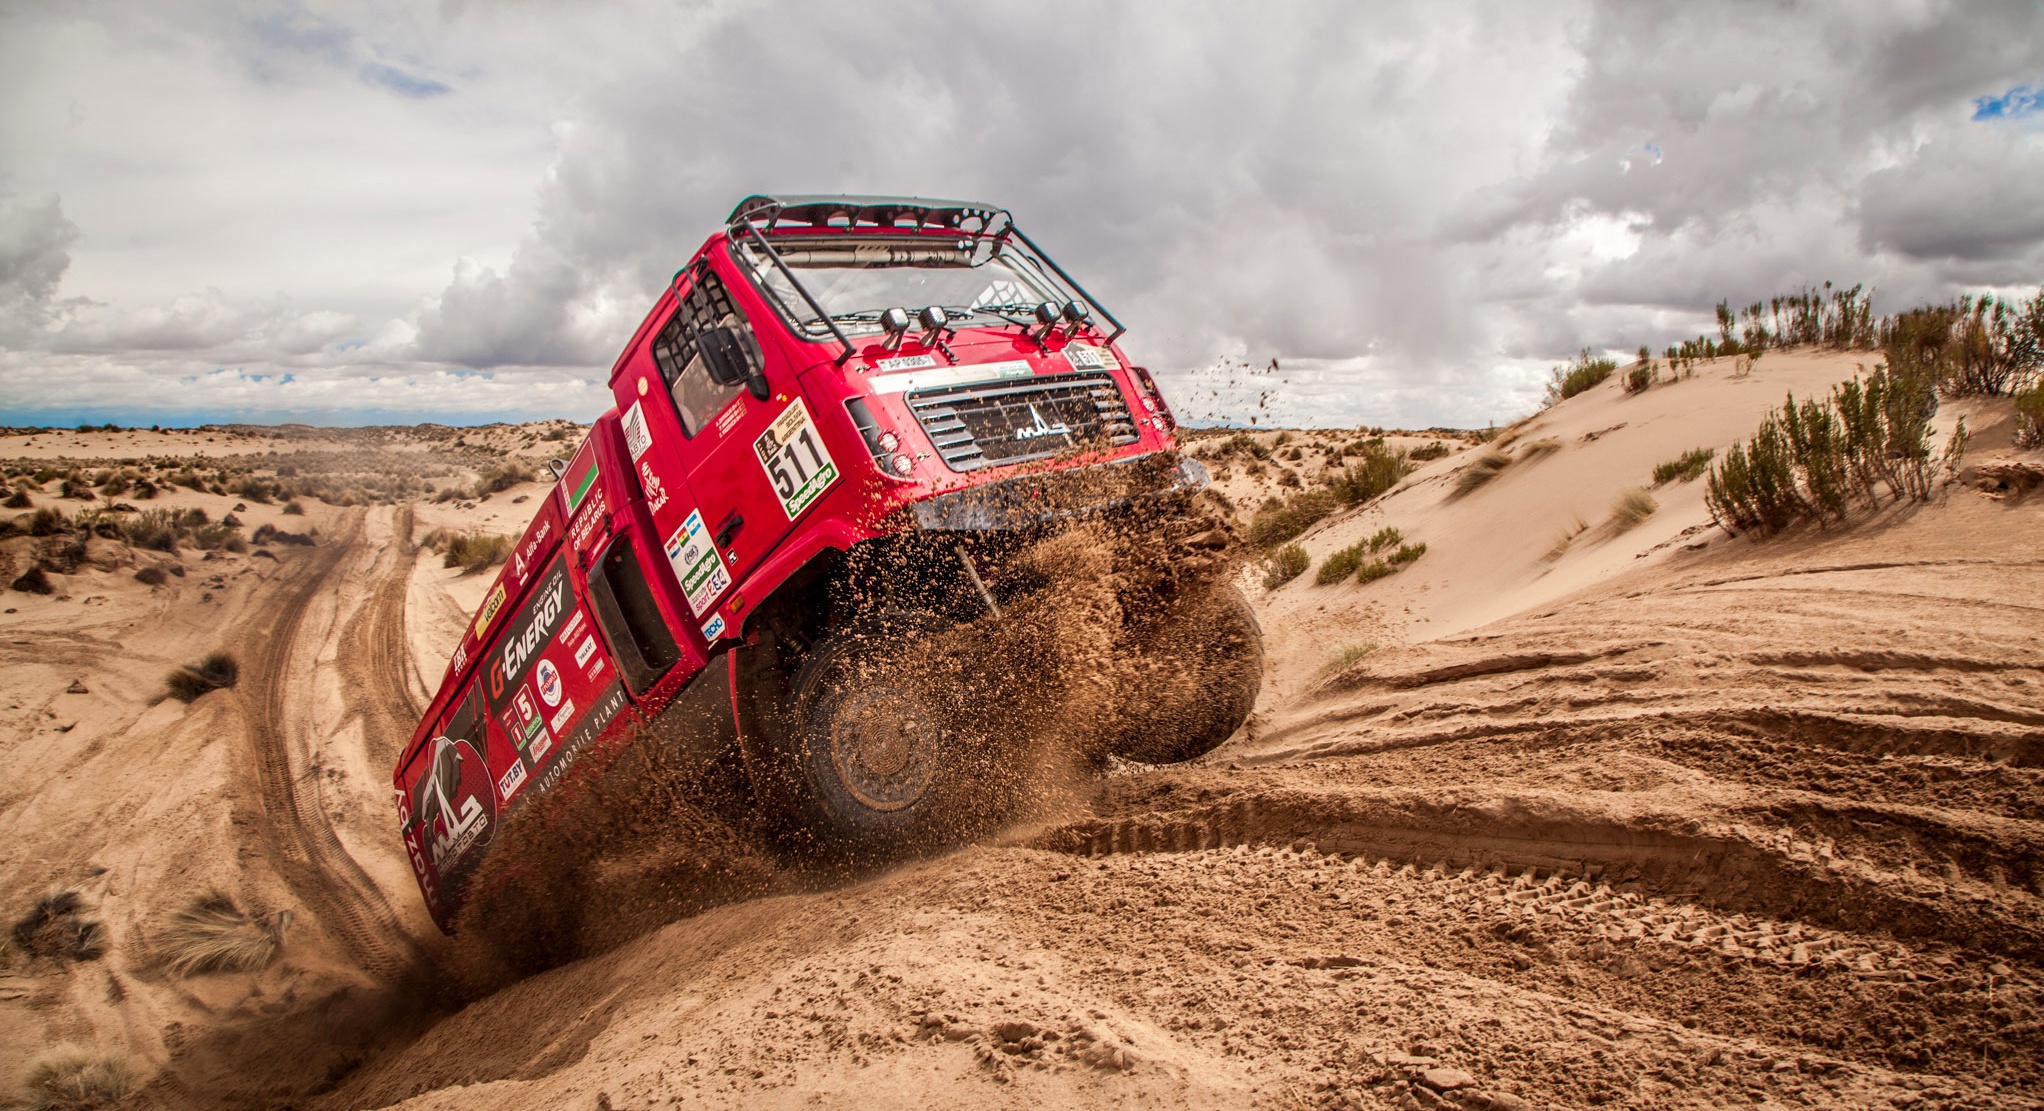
(1026, 501)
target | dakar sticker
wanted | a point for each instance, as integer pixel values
(488, 613)
(694, 558)
(637, 438)
(795, 460)
(1087, 357)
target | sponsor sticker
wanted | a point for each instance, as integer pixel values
(548, 678)
(587, 650)
(1084, 356)
(714, 627)
(488, 613)
(694, 558)
(906, 362)
(731, 415)
(637, 438)
(951, 376)
(508, 784)
(559, 722)
(541, 747)
(795, 460)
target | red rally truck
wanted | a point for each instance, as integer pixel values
(829, 377)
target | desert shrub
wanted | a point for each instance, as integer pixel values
(502, 477)
(477, 550)
(217, 671)
(151, 575)
(211, 934)
(2030, 416)
(1545, 445)
(1570, 379)
(1285, 564)
(1361, 560)
(1428, 452)
(294, 508)
(155, 529)
(254, 489)
(142, 489)
(113, 487)
(446, 495)
(1486, 466)
(271, 534)
(1289, 478)
(60, 924)
(1631, 507)
(1811, 460)
(1377, 469)
(213, 538)
(62, 554)
(48, 521)
(1973, 346)
(76, 489)
(1639, 377)
(19, 499)
(1284, 520)
(1339, 565)
(1372, 570)
(1406, 553)
(1347, 655)
(1565, 538)
(1687, 467)
(73, 1078)
(33, 581)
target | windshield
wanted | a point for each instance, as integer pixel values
(855, 280)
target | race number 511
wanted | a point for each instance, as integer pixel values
(795, 460)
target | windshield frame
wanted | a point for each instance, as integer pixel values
(757, 257)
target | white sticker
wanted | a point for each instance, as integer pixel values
(1084, 356)
(713, 628)
(543, 745)
(512, 780)
(637, 439)
(694, 559)
(795, 460)
(952, 376)
(906, 362)
(587, 650)
(559, 722)
(547, 678)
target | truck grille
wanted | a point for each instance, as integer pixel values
(996, 423)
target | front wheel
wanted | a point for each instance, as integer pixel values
(865, 761)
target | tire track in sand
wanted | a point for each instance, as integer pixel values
(309, 856)
(373, 653)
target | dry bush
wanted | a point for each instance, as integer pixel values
(1372, 570)
(1565, 538)
(1376, 470)
(19, 499)
(2030, 416)
(1687, 467)
(33, 581)
(503, 477)
(475, 551)
(1544, 446)
(1631, 507)
(1814, 459)
(1428, 452)
(1347, 561)
(74, 1078)
(60, 925)
(152, 576)
(271, 534)
(211, 934)
(217, 671)
(1285, 564)
(1487, 465)
(1570, 379)
(294, 508)
(1346, 656)
(1407, 553)
(1282, 520)
(1639, 377)
(48, 521)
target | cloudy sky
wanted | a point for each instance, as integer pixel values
(365, 212)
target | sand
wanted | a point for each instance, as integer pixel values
(1663, 818)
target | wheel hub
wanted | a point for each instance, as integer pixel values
(883, 743)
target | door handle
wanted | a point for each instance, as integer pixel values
(729, 529)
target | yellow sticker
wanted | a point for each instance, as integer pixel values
(491, 605)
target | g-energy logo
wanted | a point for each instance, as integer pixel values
(548, 608)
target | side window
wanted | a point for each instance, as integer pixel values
(705, 309)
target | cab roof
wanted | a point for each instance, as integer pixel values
(852, 212)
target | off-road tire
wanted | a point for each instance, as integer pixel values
(1210, 645)
(858, 766)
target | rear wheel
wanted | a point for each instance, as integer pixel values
(862, 761)
(1203, 658)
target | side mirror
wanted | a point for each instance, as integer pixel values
(731, 360)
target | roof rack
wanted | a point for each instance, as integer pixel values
(810, 210)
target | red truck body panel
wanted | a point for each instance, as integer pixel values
(718, 516)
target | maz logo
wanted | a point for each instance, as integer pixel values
(1040, 429)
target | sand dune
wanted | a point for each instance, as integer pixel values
(1660, 817)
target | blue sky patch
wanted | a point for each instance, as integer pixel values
(402, 83)
(2018, 103)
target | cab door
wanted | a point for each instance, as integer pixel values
(748, 446)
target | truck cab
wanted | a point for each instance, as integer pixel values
(826, 376)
